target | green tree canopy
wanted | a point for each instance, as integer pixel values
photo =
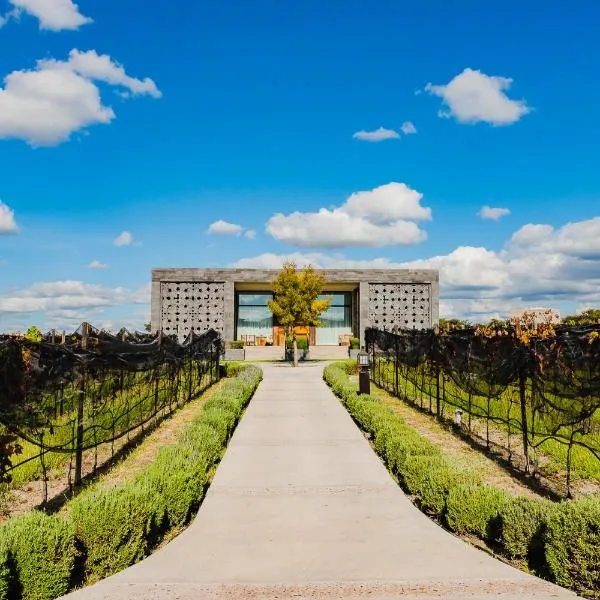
(33, 334)
(296, 298)
(591, 316)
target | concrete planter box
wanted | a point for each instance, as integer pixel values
(235, 354)
(353, 353)
(302, 354)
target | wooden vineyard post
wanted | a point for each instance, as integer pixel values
(523, 401)
(80, 413)
(437, 389)
(396, 360)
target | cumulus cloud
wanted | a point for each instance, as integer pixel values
(383, 216)
(68, 295)
(96, 264)
(250, 234)
(538, 266)
(487, 212)
(408, 128)
(54, 15)
(7, 220)
(378, 135)
(473, 97)
(222, 227)
(123, 239)
(46, 105)
(65, 304)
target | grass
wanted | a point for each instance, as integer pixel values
(113, 406)
(500, 417)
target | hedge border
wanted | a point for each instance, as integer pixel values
(45, 556)
(559, 542)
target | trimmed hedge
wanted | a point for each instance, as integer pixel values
(521, 525)
(113, 526)
(119, 526)
(474, 509)
(565, 538)
(572, 543)
(38, 556)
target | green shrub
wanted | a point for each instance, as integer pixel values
(114, 526)
(431, 477)
(354, 343)
(177, 479)
(7, 582)
(475, 509)
(236, 345)
(42, 551)
(521, 526)
(572, 543)
(301, 341)
(233, 368)
(206, 439)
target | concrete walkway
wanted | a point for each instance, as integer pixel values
(301, 507)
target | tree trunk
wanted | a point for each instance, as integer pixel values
(295, 344)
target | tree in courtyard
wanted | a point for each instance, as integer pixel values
(33, 334)
(296, 300)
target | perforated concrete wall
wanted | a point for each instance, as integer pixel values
(401, 305)
(191, 306)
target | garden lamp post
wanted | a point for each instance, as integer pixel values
(364, 382)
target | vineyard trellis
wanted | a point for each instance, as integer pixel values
(61, 400)
(538, 387)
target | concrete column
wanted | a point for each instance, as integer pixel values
(434, 296)
(229, 312)
(155, 307)
(363, 310)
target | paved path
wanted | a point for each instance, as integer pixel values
(301, 507)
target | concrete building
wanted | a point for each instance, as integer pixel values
(234, 302)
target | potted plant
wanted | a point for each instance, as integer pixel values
(354, 347)
(302, 342)
(235, 350)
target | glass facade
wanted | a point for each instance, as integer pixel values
(255, 319)
(336, 320)
(253, 315)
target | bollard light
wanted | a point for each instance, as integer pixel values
(364, 381)
(363, 359)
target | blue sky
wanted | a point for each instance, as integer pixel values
(162, 120)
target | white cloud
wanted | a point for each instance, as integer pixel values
(124, 239)
(7, 220)
(101, 67)
(68, 295)
(46, 105)
(383, 216)
(487, 212)
(538, 266)
(54, 15)
(66, 304)
(378, 135)
(473, 97)
(96, 264)
(250, 234)
(408, 128)
(222, 227)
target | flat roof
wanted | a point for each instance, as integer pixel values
(237, 275)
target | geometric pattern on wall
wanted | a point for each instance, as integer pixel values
(191, 306)
(401, 305)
